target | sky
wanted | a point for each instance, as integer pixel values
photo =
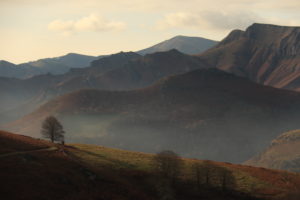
(34, 29)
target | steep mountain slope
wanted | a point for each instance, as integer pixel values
(57, 65)
(283, 153)
(95, 172)
(205, 113)
(266, 54)
(184, 44)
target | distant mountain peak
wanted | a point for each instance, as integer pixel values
(4, 62)
(184, 44)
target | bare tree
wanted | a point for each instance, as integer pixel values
(168, 164)
(52, 129)
(226, 178)
(203, 173)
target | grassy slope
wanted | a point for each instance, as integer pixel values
(259, 181)
(12, 142)
(94, 172)
(56, 175)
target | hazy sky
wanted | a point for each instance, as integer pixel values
(33, 29)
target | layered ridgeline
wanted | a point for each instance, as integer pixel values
(62, 64)
(205, 113)
(57, 65)
(122, 71)
(266, 54)
(184, 44)
(283, 153)
(77, 172)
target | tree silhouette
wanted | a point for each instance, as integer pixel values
(203, 173)
(168, 164)
(226, 178)
(52, 129)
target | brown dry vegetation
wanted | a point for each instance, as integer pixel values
(10, 143)
(95, 172)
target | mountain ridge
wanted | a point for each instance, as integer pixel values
(55, 65)
(62, 64)
(184, 44)
(264, 53)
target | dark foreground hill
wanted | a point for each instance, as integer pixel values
(266, 54)
(36, 169)
(204, 113)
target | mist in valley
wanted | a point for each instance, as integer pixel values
(205, 114)
(232, 138)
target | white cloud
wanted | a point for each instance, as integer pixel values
(231, 20)
(208, 20)
(179, 19)
(91, 23)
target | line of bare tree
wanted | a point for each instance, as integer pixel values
(169, 165)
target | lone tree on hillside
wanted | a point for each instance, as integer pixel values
(52, 129)
(168, 164)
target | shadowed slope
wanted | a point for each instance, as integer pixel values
(267, 54)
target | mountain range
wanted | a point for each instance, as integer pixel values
(122, 71)
(62, 64)
(226, 103)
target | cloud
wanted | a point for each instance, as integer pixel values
(179, 19)
(91, 23)
(230, 20)
(208, 20)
